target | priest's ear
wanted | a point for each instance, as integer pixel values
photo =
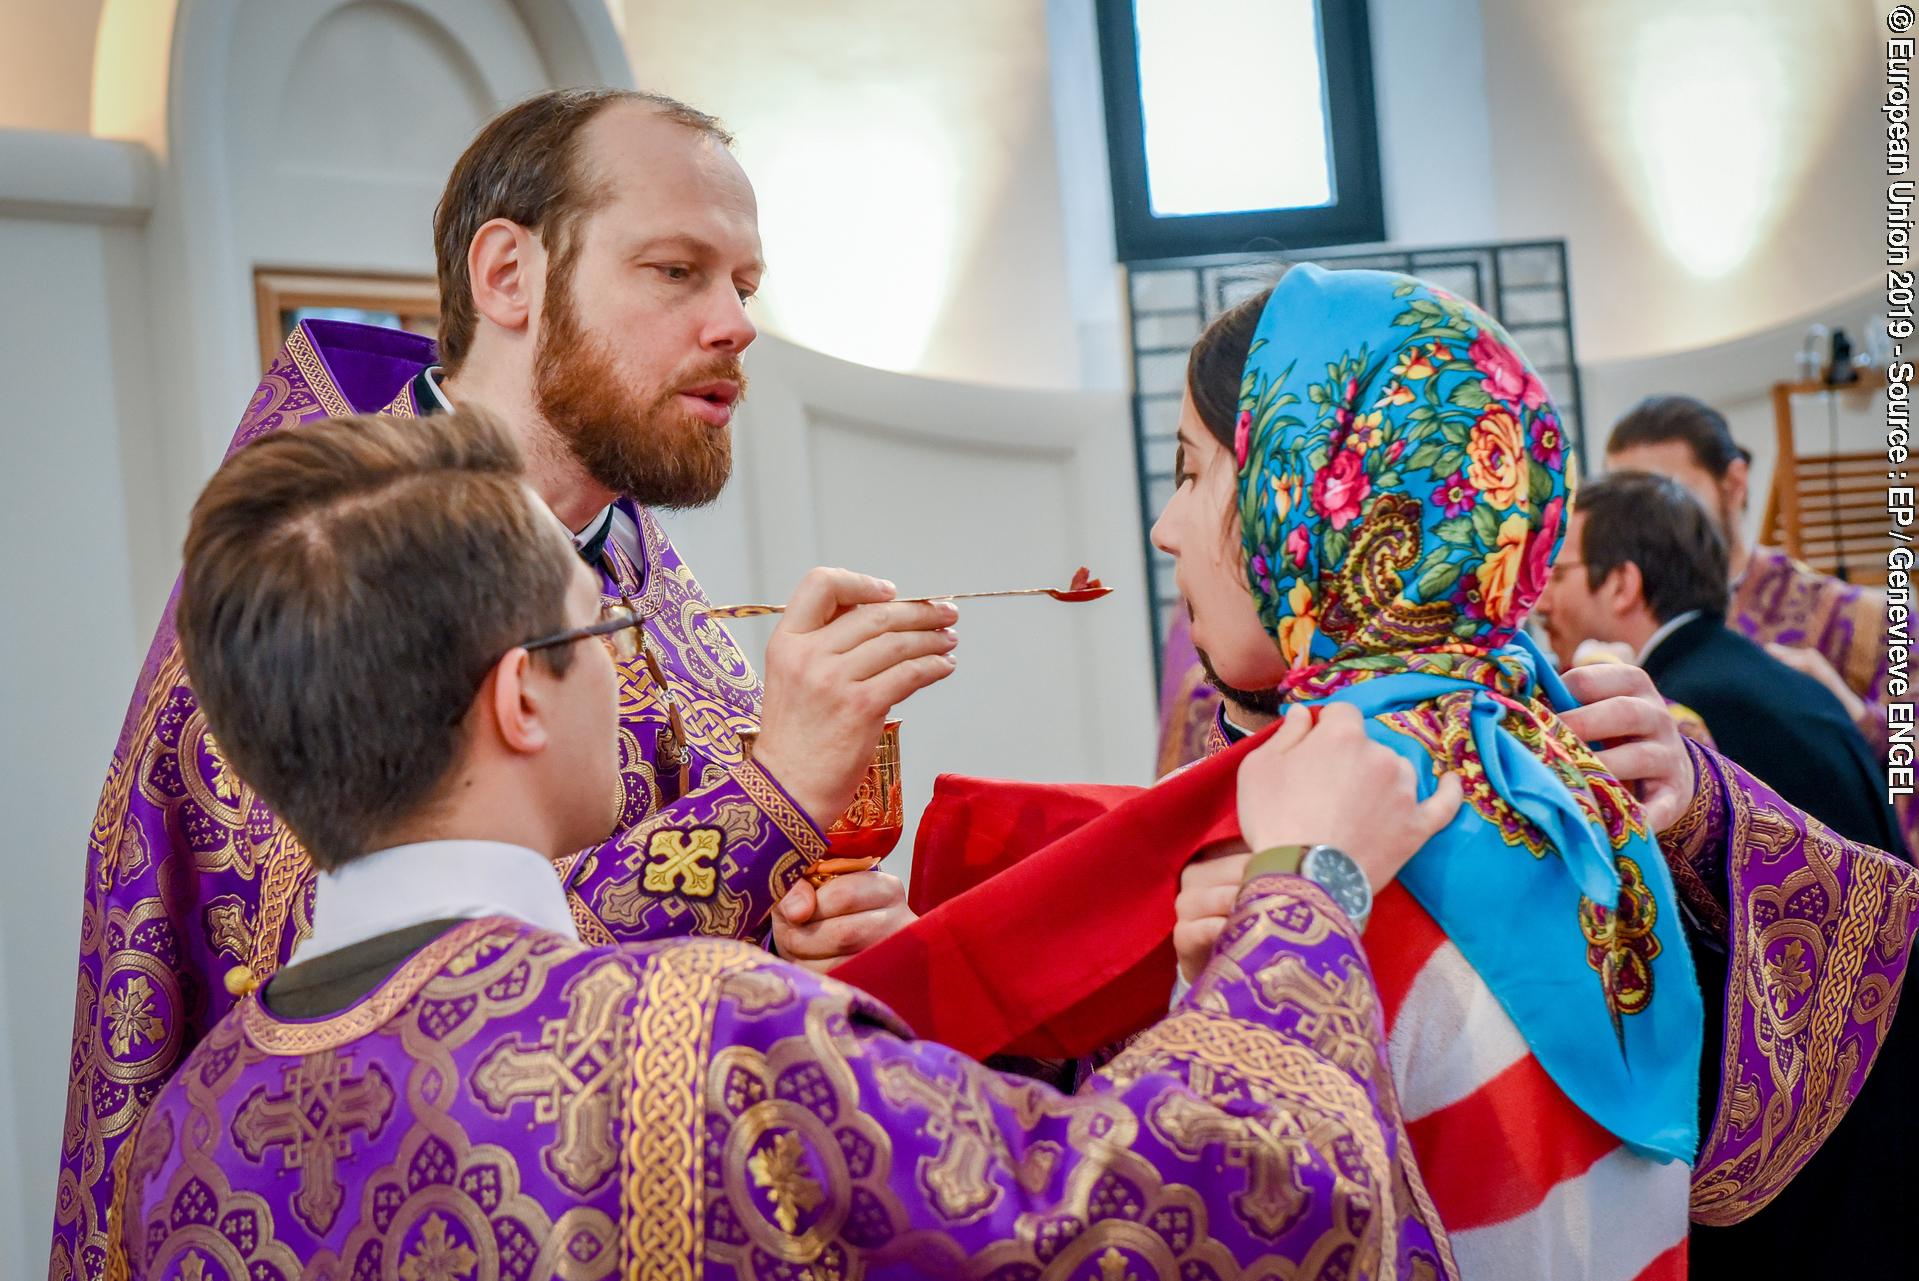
(1736, 483)
(506, 268)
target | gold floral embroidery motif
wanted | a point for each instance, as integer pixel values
(1112, 1266)
(1787, 977)
(130, 1010)
(193, 1267)
(780, 1170)
(570, 1076)
(1620, 945)
(685, 857)
(435, 1258)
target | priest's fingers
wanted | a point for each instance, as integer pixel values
(799, 905)
(1621, 718)
(1194, 941)
(898, 683)
(860, 892)
(820, 945)
(1431, 815)
(857, 626)
(825, 593)
(1292, 729)
(1196, 902)
(890, 649)
(1595, 681)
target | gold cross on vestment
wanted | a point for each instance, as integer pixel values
(315, 1119)
(568, 1076)
(685, 857)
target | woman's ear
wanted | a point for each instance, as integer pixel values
(516, 711)
(1737, 484)
(505, 264)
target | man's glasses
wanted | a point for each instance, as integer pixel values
(618, 629)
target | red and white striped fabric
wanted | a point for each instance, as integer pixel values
(1529, 1187)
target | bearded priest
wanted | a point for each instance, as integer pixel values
(596, 251)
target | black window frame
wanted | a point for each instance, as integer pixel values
(1357, 214)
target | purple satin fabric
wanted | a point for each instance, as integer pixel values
(512, 1104)
(191, 879)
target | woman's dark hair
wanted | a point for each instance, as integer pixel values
(1218, 363)
(1658, 419)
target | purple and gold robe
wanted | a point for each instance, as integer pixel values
(512, 1104)
(193, 884)
(1781, 601)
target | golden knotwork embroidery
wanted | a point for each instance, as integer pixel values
(1795, 991)
(684, 857)
(314, 1119)
(572, 1075)
(664, 1175)
(314, 370)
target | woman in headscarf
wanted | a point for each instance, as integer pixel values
(1392, 489)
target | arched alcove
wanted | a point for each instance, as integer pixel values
(315, 135)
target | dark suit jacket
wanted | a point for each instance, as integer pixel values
(1848, 1212)
(1779, 724)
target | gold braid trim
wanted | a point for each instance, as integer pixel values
(1686, 841)
(118, 1266)
(663, 1187)
(314, 370)
(788, 817)
(1747, 1181)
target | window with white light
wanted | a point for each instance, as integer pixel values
(1239, 125)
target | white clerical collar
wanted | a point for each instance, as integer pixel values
(434, 881)
(1666, 629)
(590, 531)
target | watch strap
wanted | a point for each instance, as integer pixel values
(1276, 860)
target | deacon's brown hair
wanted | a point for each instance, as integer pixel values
(348, 585)
(1655, 523)
(525, 166)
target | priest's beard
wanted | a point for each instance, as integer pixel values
(652, 448)
(1265, 702)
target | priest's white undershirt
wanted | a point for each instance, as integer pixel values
(406, 885)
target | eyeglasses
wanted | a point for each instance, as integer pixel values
(618, 629)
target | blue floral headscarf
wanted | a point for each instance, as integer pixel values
(1402, 496)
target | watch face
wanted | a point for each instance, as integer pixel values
(1340, 877)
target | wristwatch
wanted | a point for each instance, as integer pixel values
(1324, 866)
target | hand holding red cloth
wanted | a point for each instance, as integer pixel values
(1046, 921)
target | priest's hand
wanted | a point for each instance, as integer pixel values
(843, 655)
(1330, 784)
(819, 928)
(1811, 662)
(1624, 711)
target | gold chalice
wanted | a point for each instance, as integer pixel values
(868, 829)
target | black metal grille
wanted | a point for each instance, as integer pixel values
(1522, 284)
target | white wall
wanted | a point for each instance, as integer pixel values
(74, 365)
(904, 160)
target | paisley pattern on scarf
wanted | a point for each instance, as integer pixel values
(1402, 495)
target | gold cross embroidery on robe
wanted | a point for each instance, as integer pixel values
(570, 1076)
(685, 857)
(315, 1119)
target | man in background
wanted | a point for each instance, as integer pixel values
(1819, 625)
(1645, 566)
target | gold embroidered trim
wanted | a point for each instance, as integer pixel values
(279, 1036)
(664, 1181)
(1760, 1169)
(118, 1266)
(314, 370)
(117, 795)
(788, 817)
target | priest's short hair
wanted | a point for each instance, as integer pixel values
(347, 586)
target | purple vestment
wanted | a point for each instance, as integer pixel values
(512, 1104)
(191, 878)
